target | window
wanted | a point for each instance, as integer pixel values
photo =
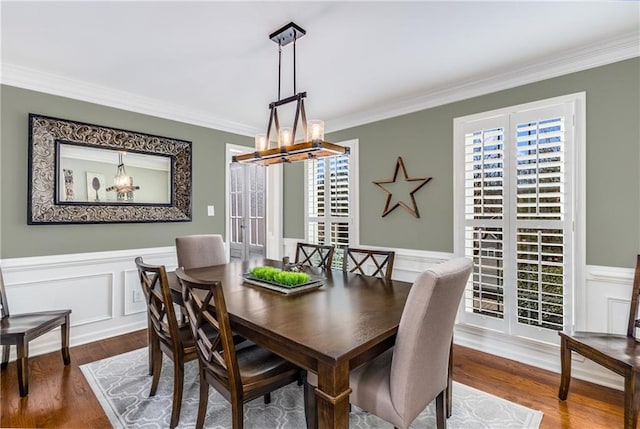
(331, 201)
(516, 189)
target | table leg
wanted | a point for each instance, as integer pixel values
(333, 396)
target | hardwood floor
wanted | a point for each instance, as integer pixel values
(60, 397)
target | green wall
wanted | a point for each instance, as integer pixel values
(424, 140)
(20, 240)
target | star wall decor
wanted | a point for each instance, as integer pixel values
(419, 182)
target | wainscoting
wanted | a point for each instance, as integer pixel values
(103, 291)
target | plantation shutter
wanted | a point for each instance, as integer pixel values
(484, 217)
(328, 197)
(542, 206)
(515, 207)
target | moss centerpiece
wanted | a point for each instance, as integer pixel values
(276, 275)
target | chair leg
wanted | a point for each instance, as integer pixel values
(204, 399)
(449, 391)
(64, 329)
(5, 356)
(441, 420)
(23, 367)
(565, 362)
(310, 407)
(631, 400)
(178, 383)
(267, 398)
(237, 412)
(157, 369)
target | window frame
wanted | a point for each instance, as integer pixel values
(573, 294)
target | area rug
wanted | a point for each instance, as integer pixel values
(121, 384)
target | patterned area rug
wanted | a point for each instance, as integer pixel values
(121, 384)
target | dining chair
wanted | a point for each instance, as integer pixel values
(240, 373)
(166, 335)
(399, 384)
(618, 353)
(377, 263)
(314, 255)
(200, 250)
(20, 329)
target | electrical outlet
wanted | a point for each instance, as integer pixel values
(137, 296)
(211, 211)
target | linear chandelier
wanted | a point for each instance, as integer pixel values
(287, 149)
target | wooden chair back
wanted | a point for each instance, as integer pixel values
(211, 331)
(314, 255)
(160, 310)
(380, 261)
(634, 319)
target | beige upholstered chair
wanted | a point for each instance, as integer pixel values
(400, 383)
(240, 373)
(200, 250)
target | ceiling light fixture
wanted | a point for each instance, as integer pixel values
(287, 149)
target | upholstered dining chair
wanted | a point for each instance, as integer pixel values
(200, 250)
(240, 373)
(618, 353)
(358, 260)
(166, 335)
(20, 329)
(314, 255)
(399, 384)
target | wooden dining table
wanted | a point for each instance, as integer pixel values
(330, 330)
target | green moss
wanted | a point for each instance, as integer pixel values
(276, 275)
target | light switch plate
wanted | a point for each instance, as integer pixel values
(211, 211)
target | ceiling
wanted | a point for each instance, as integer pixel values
(212, 64)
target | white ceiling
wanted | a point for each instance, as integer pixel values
(211, 63)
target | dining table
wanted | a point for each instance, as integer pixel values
(329, 330)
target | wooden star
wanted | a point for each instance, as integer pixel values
(420, 182)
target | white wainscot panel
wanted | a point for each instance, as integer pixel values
(89, 297)
(607, 300)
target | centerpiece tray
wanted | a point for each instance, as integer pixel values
(313, 283)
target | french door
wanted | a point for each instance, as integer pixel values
(247, 201)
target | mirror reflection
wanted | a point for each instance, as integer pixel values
(104, 176)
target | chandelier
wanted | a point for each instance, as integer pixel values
(122, 183)
(287, 149)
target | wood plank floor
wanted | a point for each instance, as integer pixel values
(59, 397)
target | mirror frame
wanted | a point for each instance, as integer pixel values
(44, 135)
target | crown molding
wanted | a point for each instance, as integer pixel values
(35, 80)
(606, 52)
